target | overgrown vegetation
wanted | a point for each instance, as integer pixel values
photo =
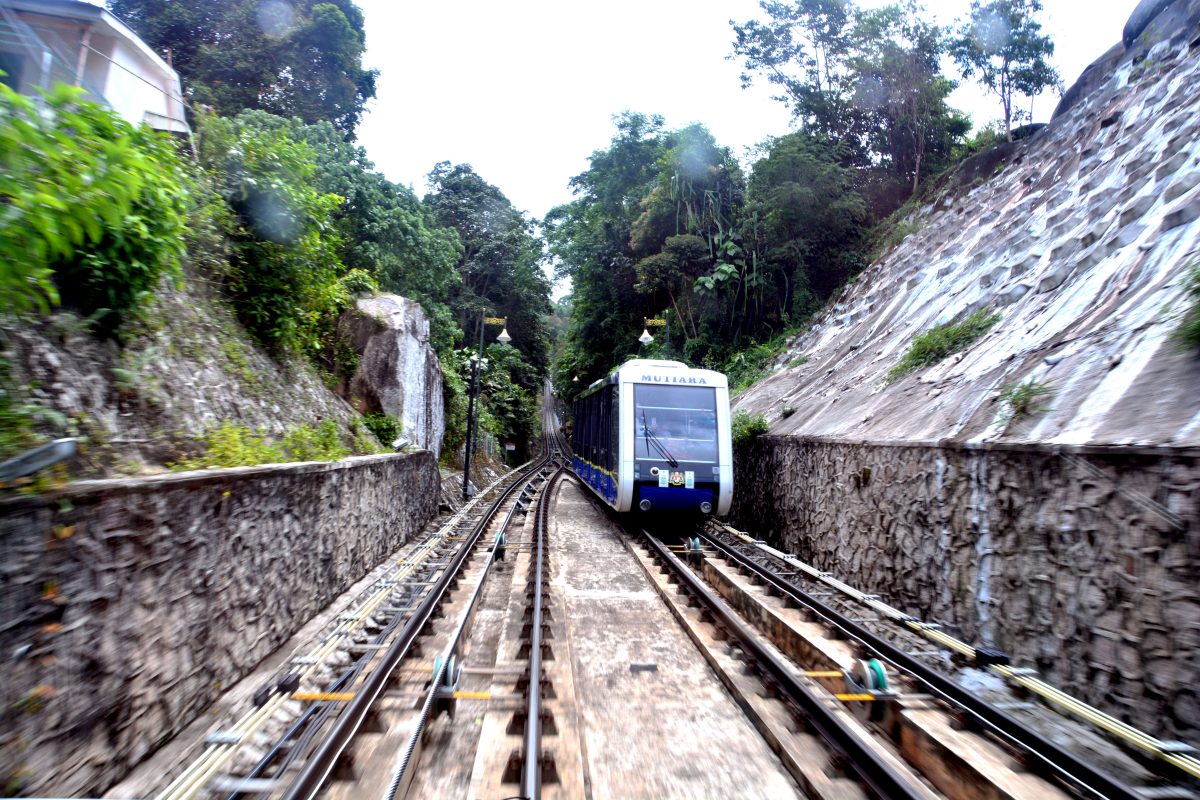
(940, 341)
(93, 208)
(745, 426)
(1188, 331)
(744, 368)
(1022, 398)
(384, 427)
(231, 445)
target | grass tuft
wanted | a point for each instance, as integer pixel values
(940, 341)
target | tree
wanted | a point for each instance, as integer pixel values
(802, 49)
(499, 265)
(868, 82)
(1000, 45)
(300, 59)
(896, 61)
(808, 219)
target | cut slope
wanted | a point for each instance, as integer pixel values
(1082, 243)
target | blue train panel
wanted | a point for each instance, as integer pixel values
(601, 481)
(675, 498)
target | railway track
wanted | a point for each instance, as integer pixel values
(297, 737)
(891, 723)
(491, 660)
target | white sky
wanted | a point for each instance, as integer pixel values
(525, 91)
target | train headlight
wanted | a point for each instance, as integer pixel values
(706, 507)
(644, 505)
(654, 470)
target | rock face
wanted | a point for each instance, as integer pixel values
(1069, 534)
(187, 367)
(128, 604)
(398, 373)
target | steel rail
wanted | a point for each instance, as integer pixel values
(192, 779)
(868, 766)
(531, 773)
(1041, 752)
(1129, 735)
(321, 763)
(402, 775)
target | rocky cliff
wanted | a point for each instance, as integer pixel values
(185, 366)
(1081, 242)
(398, 372)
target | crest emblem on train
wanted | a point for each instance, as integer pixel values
(677, 479)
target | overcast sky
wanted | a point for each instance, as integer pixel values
(525, 90)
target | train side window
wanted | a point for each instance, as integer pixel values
(602, 425)
(614, 428)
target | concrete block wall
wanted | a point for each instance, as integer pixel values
(127, 605)
(1081, 562)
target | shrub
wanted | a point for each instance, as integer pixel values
(230, 445)
(746, 426)
(940, 341)
(322, 443)
(284, 272)
(1188, 332)
(1023, 397)
(385, 427)
(94, 209)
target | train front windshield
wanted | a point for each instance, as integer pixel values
(675, 422)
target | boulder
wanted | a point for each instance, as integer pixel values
(398, 372)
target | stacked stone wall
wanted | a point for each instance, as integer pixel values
(126, 606)
(1080, 562)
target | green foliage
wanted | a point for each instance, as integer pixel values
(296, 59)
(745, 367)
(283, 277)
(864, 80)
(1002, 47)
(745, 426)
(230, 445)
(1188, 332)
(500, 274)
(322, 443)
(385, 427)
(18, 418)
(1022, 398)
(455, 393)
(499, 265)
(940, 341)
(93, 209)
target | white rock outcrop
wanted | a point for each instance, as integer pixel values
(398, 373)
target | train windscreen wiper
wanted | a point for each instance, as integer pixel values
(652, 439)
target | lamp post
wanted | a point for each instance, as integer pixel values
(503, 338)
(645, 338)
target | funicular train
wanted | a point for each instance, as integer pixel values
(654, 435)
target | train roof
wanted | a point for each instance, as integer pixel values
(646, 370)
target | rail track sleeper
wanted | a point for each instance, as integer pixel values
(1040, 752)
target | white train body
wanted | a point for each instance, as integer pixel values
(654, 435)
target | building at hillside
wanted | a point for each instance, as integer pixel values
(43, 42)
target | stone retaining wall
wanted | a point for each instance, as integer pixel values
(126, 606)
(1080, 562)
